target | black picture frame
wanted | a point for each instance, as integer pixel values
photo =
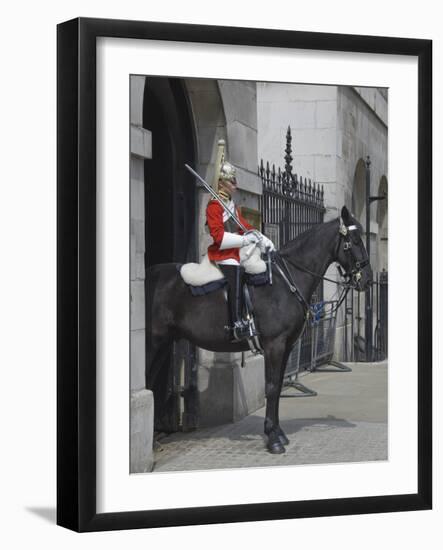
(76, 279)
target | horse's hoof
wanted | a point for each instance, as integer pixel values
(276, 448)
(283, 439)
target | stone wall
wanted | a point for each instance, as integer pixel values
(142, 406)
(311, 112)
(334, 129)
(362, 131)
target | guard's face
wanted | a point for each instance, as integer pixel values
(229, 186)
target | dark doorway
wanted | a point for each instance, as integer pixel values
(170, 229)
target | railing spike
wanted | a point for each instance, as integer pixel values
(288, 151)
(273, 175)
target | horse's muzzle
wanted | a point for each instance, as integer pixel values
(362, 281)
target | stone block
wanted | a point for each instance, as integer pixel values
(228, 391)
(142, 430)
(330, 198)
(304, 166)
(239, 101)
(207, 144)
(271, 147)
(278, 115)
(207, 107)
(350, 148)
(138, 359)
(242, 146)
(340, 195)
(137, 305)
(331, 213)
(326, 114)
(137, 89)
(141, 142)
(364, 93)
(138, 230)
(199, 84)
(132, 257)
(315, 141)
(274, 91)
(137, 263)
(298, 115)
(137, 190)
(325, 168)
(249, 387)
(272, 134)
(137, 169)
(381, 107)
(140, 266)
(205, 358)
(249, 181)
(375, 101)
(216, 396)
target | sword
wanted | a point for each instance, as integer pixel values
(217, 198)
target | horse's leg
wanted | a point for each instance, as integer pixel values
(283, 437)
(275, 353)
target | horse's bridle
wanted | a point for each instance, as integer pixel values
(354, 274)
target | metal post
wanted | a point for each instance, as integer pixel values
(368, 296)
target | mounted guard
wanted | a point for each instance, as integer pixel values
(231, 232)
(280, 307)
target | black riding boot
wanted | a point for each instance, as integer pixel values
(238, 329)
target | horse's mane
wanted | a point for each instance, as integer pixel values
(301, 240)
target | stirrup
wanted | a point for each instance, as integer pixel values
(243, 330)
(239, 331)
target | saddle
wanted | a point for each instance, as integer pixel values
(206, 277)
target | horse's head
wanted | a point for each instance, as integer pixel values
(351, 252)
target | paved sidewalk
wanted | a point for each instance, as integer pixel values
(346, 422)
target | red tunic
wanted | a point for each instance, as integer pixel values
(214, 218)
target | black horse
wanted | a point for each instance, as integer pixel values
(280, 316)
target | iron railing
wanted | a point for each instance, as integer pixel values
(290, 205)
(315, 348)
(354, 345)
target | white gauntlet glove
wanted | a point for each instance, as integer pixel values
(250, 238)
(266, 244)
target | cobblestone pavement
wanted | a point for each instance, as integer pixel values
(346, 422)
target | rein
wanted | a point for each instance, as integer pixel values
(310, 312)
(306, 270)
(354, 273)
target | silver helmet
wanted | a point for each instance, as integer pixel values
(227, 172)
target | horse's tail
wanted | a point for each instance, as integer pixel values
(157, 332)
(151, 282)
(155, 276)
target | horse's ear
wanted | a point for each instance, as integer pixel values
(345, 215)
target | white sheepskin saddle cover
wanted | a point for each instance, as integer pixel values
(207, 272)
